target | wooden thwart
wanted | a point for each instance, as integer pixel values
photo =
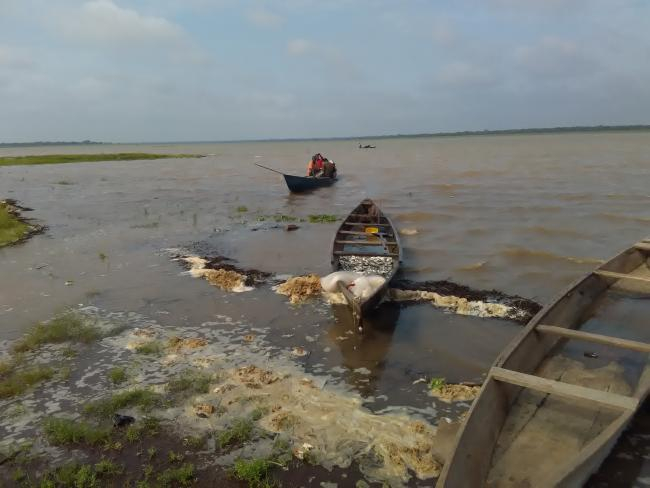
(367, 254)
(566, 390)
(590, 337)
(366, 224)
(621, 276)
(365, 243)
(359, 233)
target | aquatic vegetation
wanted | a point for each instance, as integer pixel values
(63, 431)
(149, 225)
(239, 432)
(152, 347)
(242, 208)
(194, 442)
(64, 182)
(87, 158)
(12, 229)
(66, 327)
(300, 288)
(277, 218)
(117, 375)
(175, 457)
(106, 467)
(322, 218)
(106, 407)
(183, 476)
(190, 382)
(103, 256)
(255, 472)
(455, 392)
(15, 380)
(437, 383)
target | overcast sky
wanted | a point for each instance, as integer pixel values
(198, 70)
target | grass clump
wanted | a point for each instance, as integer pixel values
(106, 467)
(239, 432)
(117, 375)
(437, 383)
(183, 476)
(190, 382)
(81, 475)
(11, 227)
(66, 327)
(87, 158)
(153, 347)
(14, 381)
(105, 408)
(322, 218)
(242, 208)
(254, 472)
(61, 431)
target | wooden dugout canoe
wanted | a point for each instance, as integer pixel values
(533, 426)
(366, 233)
(297, 184)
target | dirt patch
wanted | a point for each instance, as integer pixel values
(300, 288)
(519, 309)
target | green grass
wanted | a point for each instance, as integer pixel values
(75, 475)
(106, 467)
(239, 432)
(87, 158)
(153, 347)
(66, 327)
(15, 380)
(11, 229)
(190, 382)
(322, 218)
(106, 407)
(117, 375)
(183, 476)
(242, 208)
(437, 383)
(255, 472)
(61, 431)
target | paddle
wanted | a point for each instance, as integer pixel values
(270, 169)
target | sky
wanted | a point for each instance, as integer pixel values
(210, 70)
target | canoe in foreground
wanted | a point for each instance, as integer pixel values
(297, 184)
(560, 394)
(366, 242)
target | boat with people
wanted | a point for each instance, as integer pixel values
(366, 244)
(559, 395)
(321, 172)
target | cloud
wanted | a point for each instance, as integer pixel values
(553, 57)
(299, 47)
(463, 74)
(104, 22)
(264, 18)
(14, 58)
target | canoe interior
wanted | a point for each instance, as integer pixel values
(304, 183)
(524, 430)
(367, 233)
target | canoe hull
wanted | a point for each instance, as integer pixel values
(352, 236)
(297, 184)
(477, 453)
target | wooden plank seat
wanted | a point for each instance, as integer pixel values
(566, 390)
(365, 243)
(367, 254)
(359, 233)
(621, 276)
(591, 337)
(366, 224)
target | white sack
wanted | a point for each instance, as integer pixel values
(364, 286)
(328, 283)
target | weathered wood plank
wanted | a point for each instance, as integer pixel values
(574, 392)
(365, 243)
(621, 276)
(359, 233)
(366, 254)
(590, 337)
(366, 224)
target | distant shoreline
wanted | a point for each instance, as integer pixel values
(535, 130)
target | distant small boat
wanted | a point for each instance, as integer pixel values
(367, 146)
(369, 229)
(545, 415)
(299, 184)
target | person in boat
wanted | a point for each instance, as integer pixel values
(315, 166)
(329, 168)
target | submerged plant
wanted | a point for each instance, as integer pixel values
(106, 407)
(322, 218)
(117, 375)
(62, 431)
(183, 476)
(437, 383)
(66, 327)
(15, 381)
(255, 472)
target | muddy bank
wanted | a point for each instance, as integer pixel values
(28, 229)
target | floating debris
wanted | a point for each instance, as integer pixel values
(299, 352)
(176, 343)
(378, 265)
(449, 393)
(408, 231)
(203, 410)
(300, 288)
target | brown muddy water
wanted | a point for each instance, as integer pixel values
(525, 215)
